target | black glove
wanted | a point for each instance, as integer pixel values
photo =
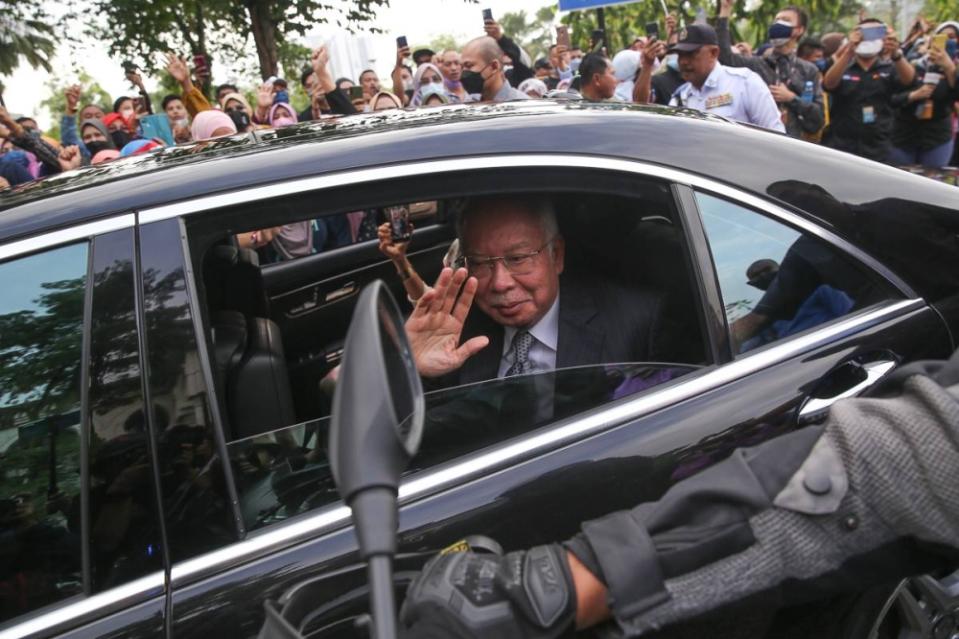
(465, 595)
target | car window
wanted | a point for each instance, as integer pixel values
(41, 345)
(776, 281)
(286, 472)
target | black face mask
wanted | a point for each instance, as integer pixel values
(96, 146)
(121, 139)
(240, 119)
(472, 81)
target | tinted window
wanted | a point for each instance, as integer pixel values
(776, 281)
(41, 346)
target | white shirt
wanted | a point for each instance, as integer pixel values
(735, 93)
(542, 352)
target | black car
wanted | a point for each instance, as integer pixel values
(164, 406)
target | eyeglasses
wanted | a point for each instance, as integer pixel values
(518, 264)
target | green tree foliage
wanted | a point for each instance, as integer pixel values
(442, 43)
(534, 34)
(55, 102)
(141, 30)
(25, 33)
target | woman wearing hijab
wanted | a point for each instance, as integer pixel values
(212, 124)
(428, 80)
(281, 115)
(239, 110)
(95, 137)
(385, 100)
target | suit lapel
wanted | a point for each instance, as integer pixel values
(581, 339)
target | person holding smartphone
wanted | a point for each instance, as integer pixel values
(867, 84)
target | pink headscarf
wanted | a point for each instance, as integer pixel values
(206, 122)
(288, 109)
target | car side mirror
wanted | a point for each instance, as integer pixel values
(376, 427)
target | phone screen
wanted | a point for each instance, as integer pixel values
(356, 93)
(562, 36)
(399, 218)
(652, 29)
(157, 126)
(487, 14)
(939, 41)
(874, 33)
(401, 42)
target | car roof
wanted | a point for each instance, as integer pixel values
(743, 156)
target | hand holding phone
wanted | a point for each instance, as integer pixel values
(562, 36)
(487, 15)
(399, 218)
(873, 33)
(401, 42)
(652, 30)
(356, 93)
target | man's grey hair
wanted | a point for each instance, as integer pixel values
(539, 206)
(487, 48)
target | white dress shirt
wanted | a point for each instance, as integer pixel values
(542, 352)
(736, 93)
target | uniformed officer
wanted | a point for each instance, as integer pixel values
(734, 93)
(865, 91)
(866, 497)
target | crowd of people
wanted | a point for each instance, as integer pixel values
(864, 92)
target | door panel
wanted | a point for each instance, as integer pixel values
(546, 497)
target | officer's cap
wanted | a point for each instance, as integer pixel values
(694, 36)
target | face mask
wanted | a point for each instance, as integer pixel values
(279, 123)
(472, 81)
(780, 33)
(96, 146)
(430, 88)
(869, 48)
(281, 96)
(120, 138)
(672, 61)
(240, 119)
(821, 64)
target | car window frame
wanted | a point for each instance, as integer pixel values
(462, 470)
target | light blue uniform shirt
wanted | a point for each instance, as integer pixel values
(735, 93)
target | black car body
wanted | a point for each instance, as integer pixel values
(159, 536)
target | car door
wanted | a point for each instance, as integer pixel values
(623, 448)
(83, 551)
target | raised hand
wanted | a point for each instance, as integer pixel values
(435, 327)
(654, 49)
(726, 8)
(69, 157)
(177, 68)
(264, 95)
(388, 246)
(401, 54)
(493, 29)
(72, 95)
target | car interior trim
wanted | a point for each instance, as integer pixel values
(448, 475)
(432, 167)
(66, 236)
(88, 608)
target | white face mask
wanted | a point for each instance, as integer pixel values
(430, 88)
(869, 48)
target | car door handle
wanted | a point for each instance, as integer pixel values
(344, 291)
(816, 407)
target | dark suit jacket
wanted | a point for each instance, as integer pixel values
(599, 323)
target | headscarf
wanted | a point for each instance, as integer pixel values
(532, 84)
(239, 98)
(418, 96)
(139, 147)
(387, 94)
(946, 24)
(277, 106)
(206, 122)
(101, 127)
(626, 64)
(104, 156)
(110, 118)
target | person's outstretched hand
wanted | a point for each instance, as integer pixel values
(69, 157)
(388, 246)
(435, 327)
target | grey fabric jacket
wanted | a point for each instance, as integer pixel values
(869, 496)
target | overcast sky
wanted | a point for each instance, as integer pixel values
(419, 20)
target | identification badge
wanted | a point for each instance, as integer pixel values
(868, 115)
(721, 100)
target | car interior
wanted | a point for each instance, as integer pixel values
(276, 329)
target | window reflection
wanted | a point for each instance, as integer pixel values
(41, 337)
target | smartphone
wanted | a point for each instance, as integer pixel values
(157, 126)
(399, 219)
(356, 93)
(873, 33)
(652, 30)
(562, 36)
(199, 62)
(487, 15)
(401, 42)
(939, 41)
(597, 39)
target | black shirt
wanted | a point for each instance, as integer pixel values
(863, 109)
(912, 133)
(664, 85)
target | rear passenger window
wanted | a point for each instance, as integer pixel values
(41, 345)
(776, 281)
